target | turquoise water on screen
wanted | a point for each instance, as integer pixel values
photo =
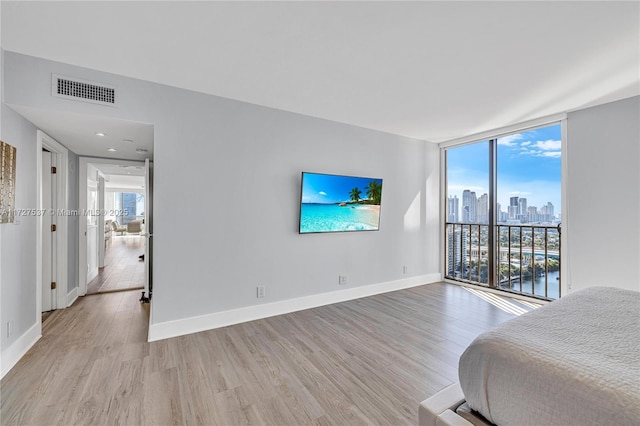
(335, 218)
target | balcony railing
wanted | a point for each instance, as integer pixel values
(527, 257)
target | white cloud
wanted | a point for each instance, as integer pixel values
(550, 145)
(509, 140)
(322, 193)
(549, 149)
(552, 154)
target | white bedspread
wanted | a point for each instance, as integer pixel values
(575, 361)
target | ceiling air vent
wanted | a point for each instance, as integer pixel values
(80, 90)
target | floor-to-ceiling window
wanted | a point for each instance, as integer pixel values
(129, 206)
(502, 218)
(468, 183)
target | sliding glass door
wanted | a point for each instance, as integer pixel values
(502, 217)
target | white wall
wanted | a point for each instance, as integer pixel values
(603, 196)
(236, 225)
(18, 260)
(227, 188)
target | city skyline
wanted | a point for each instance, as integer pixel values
(473, 209)
(529, 166)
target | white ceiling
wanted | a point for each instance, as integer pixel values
(78, 133)
(137, 171)
(124, 182)
(122, 176)
(430, 70)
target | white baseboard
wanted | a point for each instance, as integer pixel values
(92, 274)
(165, 330)
(72, 296)
(11, 355)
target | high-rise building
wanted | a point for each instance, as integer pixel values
(513, 208)
(126, 204)
(532, 212)
(522, 209)
(483, 209)
(457, 250)
(501, 216)
(452, 209)
(546, 212)
(469, 207)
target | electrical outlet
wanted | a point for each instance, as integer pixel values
(260, 291)
(404, 269)
(342, 279)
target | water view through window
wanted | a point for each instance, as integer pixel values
(526, 209)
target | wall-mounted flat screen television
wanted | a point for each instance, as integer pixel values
(335, 203)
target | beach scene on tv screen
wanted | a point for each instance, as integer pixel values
(332, 203)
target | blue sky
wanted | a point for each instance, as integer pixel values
(528, 167)
(319, 188)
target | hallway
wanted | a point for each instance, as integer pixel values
(123, 270)
(85, 359)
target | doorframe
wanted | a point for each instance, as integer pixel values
(62, 203)
(82, 223)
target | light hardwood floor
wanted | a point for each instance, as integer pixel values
(366, 361)
(123, 270)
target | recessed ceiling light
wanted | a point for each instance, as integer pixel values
(141, 151)
(111, 149)
(101, 134)
(127, 140)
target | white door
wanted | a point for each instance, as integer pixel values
(49, 260)
(92, 230)
(148, 223)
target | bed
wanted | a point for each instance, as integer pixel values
(575, 361)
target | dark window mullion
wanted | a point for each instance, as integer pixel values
(491, 277)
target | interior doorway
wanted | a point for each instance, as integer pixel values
(49, 225)
(123, 267)
(122, 261)
(113, 241)
(52, 226)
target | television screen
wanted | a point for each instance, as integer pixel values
(333, 203)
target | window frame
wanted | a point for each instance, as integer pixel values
(492, 136)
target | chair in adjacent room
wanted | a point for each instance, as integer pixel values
(134, 227)
(117, 228)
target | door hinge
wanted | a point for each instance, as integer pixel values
(54, 170)
(53, 285)
(53, 228)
